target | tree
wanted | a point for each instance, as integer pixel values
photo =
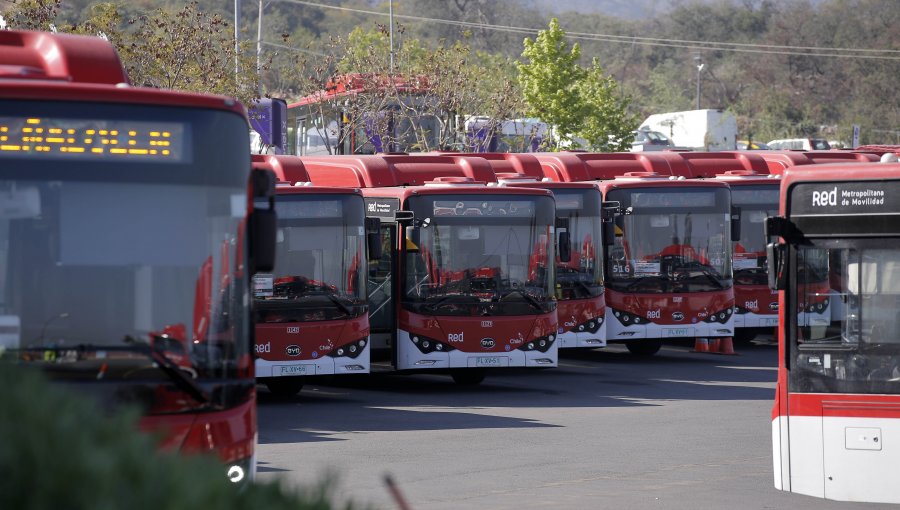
(421, 104)
(584, 105)
(606, 123)
(549, 80)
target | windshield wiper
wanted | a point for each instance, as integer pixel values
(178, 376)
(647, 279)
(531, 300)
(447, 298)
(705, 271)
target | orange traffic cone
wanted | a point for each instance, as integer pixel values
(701, 344)
(726, 346)
(713, 345)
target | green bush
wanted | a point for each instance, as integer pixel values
(59, 450)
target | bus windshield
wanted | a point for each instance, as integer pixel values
(105, 255)
(755, 204)
(320, 261)
(670, 240)
(582, 276)
(859, 351)
(480, 255)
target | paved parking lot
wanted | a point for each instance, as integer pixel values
(604, 430)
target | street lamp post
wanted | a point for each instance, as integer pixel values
(699, 61)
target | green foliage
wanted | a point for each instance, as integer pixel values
(606, 124)
(581, 103)
(60, 451)
(549, 80)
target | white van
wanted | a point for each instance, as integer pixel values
(800, 144)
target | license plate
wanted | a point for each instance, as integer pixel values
(487, 361)
(675, 332)
(770, 322)
(294, 370)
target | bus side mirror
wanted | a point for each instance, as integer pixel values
(608, 213)
(735, 224)
(263, 221)
(775, 265)
(373, 238)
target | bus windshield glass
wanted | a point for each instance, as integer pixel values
(105, 256)
(480, 255)
(755, 204)
(582, 276)
(859, 350)
(320, 261)
(670, 240)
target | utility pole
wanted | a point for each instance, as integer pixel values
(699, 61)
(391, 32)
(259, 43)
(237, 44)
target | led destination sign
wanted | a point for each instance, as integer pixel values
(97, 139)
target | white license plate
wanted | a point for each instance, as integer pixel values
(487, 361)
(770, 322)
(675, 332)
(294, 370)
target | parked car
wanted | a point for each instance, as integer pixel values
(800, 144)
(646, 140)
(744, 145)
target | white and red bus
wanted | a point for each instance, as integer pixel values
(466, 279)
(668, 265)
(130, 225)
(310, 313)
(837, 405)
(581, 307)
(754, 197)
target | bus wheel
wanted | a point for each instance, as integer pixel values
(643, 348)
(744, 335)
(467, 376)
(284, 386)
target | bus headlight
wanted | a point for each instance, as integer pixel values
(350, 350)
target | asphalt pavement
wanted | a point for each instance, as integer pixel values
(604, 430)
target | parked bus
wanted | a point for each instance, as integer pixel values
(310, 313)
(581, 308)
(837, 404)
(668, 265)
(754, 197)
(465, 281)
(130, 226)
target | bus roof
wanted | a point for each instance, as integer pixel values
(778, 161)
(30, 55)
(47, 66)
(389, 170)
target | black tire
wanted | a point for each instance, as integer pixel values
(644, 348)
(744, 336)
(467, 376)
(284, 386)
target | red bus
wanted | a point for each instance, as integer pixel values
(130, 226)
(465, 281)
(668, 265)
(837, 405)
(754, 197)
(581, 307)
(310, 313)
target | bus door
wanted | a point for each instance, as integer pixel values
(382, 309)
(843, 376)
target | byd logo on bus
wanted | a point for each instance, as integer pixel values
(824, 198)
